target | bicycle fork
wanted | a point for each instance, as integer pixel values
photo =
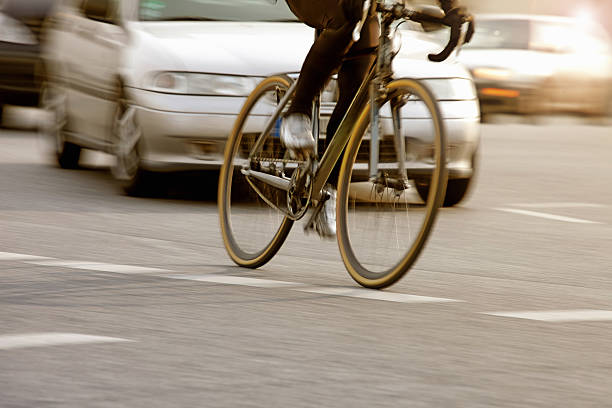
(376, 176)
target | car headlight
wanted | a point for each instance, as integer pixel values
(189, 83)
(452, 89)
(497, 74)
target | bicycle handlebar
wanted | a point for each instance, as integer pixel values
(455, 19)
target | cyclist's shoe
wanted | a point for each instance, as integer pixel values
(325, 223)
(296, 135)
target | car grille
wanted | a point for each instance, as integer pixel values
(272, 147)
(19, 74)
(414, 149)
(386, 150)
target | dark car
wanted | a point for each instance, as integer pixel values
(21, 66)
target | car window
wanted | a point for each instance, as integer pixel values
(215, 10)
(505, 34)
(101, 10)
(553, 37)
(12, 31)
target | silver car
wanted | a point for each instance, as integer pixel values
(158, 84)
(529, 64)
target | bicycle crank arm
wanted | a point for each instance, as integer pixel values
(310, 224)
(274, 181)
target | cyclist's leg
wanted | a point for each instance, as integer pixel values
(325, 55)
(352, 73)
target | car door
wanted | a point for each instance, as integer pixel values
(93, 68)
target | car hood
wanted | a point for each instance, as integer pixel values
(231, 47)
(505, 58)
(524, 65)
(531, 64)
(245, 48)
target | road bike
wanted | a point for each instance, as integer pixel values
(391, 138)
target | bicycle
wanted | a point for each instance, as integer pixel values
(381, 226)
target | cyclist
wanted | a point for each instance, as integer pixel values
(333, 49)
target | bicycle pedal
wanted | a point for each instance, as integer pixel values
(311, 225)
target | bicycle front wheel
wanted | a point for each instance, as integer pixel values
(253, 229)
(382, 223)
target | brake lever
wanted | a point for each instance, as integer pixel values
(470, 31)
(450, 47)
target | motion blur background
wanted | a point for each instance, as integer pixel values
(510, 304)
(571, 73)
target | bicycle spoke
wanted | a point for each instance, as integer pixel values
(382, 222)
(252, 226)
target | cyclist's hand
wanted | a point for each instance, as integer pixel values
(457, 16)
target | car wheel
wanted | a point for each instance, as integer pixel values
(127, 168)
(456, 190)
(54, 102)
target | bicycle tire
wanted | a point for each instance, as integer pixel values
(382, 203)
(237, 218)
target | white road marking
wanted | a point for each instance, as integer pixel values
(560, 205)
(236, 280)
(547, 216)
(9, 256)
(559, 315)
(348, 292)
(52, 339)
(375, 295)
(99, 266)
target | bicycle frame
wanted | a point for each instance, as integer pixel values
(371, 91)
(365, 95)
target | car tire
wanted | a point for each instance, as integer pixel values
(127, 149)
(456, 189)
(54, 101)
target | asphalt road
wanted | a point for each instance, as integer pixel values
(113, 301)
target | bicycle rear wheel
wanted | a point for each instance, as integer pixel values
(382, 224)
(252, 229)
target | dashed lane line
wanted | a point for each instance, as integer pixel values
(46, 339)
(547, 216)
(361, 293)
(99, 266)
(10, 256)
(375, 295)
(11, 342)
(559, 205)
(235, 280)
(559, 316)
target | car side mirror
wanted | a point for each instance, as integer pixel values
(432, 11)
(99, 10)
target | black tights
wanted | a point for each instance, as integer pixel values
(335, 24)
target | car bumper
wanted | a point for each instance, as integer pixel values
(506, 98)
(189, 132)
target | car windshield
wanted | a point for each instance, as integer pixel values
(215, 10)
(504, 34)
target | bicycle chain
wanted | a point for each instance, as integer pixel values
(276, 160)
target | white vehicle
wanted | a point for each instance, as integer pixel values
(540, 64)
(159, 83)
